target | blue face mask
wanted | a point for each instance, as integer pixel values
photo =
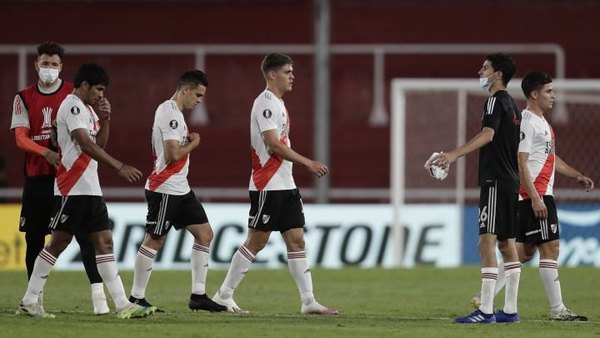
(483, 82)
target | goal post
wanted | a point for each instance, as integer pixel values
(430, 115)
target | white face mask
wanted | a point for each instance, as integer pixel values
(48, 75)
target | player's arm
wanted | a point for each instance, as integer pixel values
(20, 125)
(485, 136)
(564, 169)
(174, 151)
(25, 143)
(537, 203)
(88, 146)
(103, 111)
(271, 139)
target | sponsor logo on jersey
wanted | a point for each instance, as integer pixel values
(267, 113)
(173, 124)
(75, 110)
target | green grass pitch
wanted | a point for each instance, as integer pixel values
(419, 302)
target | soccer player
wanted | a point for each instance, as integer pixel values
(171, 202)
(275, 202)
(34, 111)
(82, 135)
(538, 220)
(498, 142)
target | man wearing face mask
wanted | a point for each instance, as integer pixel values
(498, 142)
(34, 111)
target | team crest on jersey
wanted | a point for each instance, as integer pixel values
(267, 113)
(22, 222)
(266, 218)
(64, 218)
(47, 112)
(173, 124)
(522, 136)
(75, 110)
(554, 228)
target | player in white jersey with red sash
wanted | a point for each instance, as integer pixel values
(171, 202)
(79, 206)
(275, 202)
(538, 219)
(34, 111)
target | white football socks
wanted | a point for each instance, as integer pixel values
(142, 271)
(41, 269)
(240, 263)
(298, 265)
(199, 261)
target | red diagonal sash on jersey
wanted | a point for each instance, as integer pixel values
(543, 178)
(66, 179)
(262, 174)
(541, 182)
(157, 178)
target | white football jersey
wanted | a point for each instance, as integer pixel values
(537, 139)
(78, 172)
(269, 171)
(171, 178)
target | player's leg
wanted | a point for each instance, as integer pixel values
(43, 265)
(291, 225)
(512, 273)
(525, 252)
(489, 271)
(487, 253)
(506, 229)
(88, 257)
(191, 215)
(142, 269)
(36, 210)
(99, 228)
(162, 209)
(525, 248)
(199, 258)
(264, 210)
(240, 264)
(300, 271)
(548, 265)
(34, 239)
(61, 226)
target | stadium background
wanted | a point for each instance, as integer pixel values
(359, 151)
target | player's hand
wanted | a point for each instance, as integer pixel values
(103, 109)
(194, 138)
(443, 160)
(52, 158)
(587, 182)
(130, 173)
(539, 208)
(318, 169)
